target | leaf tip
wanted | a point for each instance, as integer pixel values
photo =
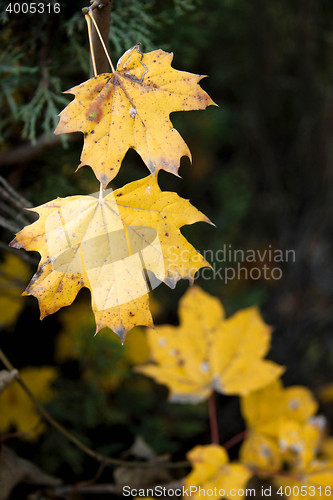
(121, 332)
(15, 244)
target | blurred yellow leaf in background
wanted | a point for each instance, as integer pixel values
(17, 409)
(282, 427)
(14, 273)
(212, 469)
(208, 352)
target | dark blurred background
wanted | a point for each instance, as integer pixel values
(261, 171)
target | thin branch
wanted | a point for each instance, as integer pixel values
(214, 431)
(13, 228)
(27, 152)
(104, 488)
(235, 439)
(93, 454)
(8, 210)
(15, 197)
(23, 255)
(269, 473)
(109, 488)
(20, 434)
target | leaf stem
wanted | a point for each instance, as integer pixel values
(101, 192)
(214, 431)
(235, 439)
(90, 14)
(87, 18)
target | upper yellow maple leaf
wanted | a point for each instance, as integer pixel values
(107, 244)
(213, 475)
(208, 352)
(130, 109)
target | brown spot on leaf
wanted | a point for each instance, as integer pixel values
(94, 112)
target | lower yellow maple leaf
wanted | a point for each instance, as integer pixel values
(213, 475)
(207, 352)
(119, 246)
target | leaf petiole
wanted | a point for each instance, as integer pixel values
(87, 18)
(90, 14)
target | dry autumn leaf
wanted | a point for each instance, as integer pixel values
(208, 352)
(15, 470)
(6, 378)
(130, 109)
(118, 246)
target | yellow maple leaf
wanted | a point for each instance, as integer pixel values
(264, 408)
(130, 109)
(213, 475)
(285, 418)
(208, 352)
(261, 452)
(313, 482)
(17, 408)
(105, 244)
(299, 442)
(13, 273)
(326, 448)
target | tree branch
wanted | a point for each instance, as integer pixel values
(102, 15)
(214, 431)
(28, 151)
